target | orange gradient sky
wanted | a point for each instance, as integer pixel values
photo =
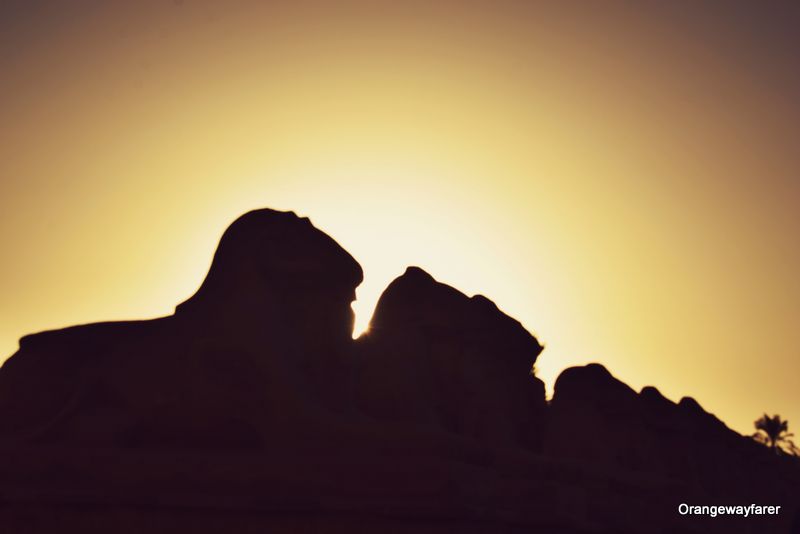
(621, 177)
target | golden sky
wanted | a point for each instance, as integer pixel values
(621, 177)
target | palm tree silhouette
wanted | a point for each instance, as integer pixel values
(774, 433)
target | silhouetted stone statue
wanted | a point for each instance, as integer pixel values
(252, 409)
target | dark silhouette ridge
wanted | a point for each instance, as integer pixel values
(433, 355)
(648, 433)
(277, 267)
(251, 409)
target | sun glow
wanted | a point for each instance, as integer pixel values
(585, 172)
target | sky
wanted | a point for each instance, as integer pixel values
(622, 177)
